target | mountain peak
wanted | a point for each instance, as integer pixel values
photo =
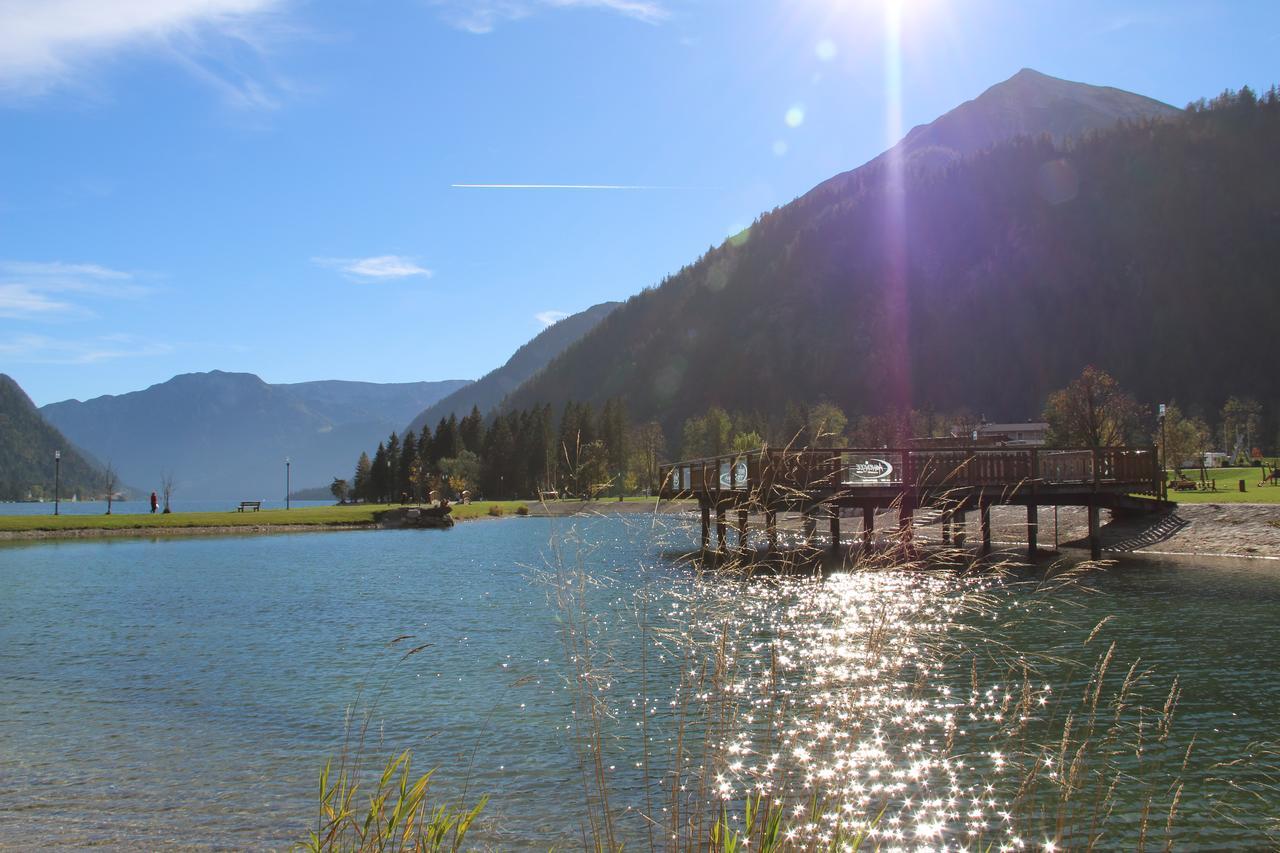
(1030, 103)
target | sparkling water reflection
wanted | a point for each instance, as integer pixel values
(190, 690)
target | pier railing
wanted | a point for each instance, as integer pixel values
(847, 470)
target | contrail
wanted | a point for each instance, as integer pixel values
(559, 187)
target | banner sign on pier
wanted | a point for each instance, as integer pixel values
(866, 470)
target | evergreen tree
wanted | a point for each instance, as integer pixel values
(393, 467)
(471, 430)
(425, 445)
(441, 445)
(361, 485)
(379, 475)
(447, 443)
(496, 459)
(613, 427)
(407, 467)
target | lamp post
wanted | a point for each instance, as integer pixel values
(286, 482)
(1164, 470)
(57, 478)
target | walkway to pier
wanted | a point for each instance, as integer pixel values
(824, 483)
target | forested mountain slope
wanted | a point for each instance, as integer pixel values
(27, 445)
(487, 392)
(985, 283)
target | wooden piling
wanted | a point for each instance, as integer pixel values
(1033, 529)
(984, 522)
(868, 526)
(721, 530)
(810, 525)
(961, 528)
(835, 529)
(1095, 537)
(905, 514)
(742, 529)
(706, 527)
(771, 527)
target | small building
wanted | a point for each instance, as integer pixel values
(1212, 459)
(1029, 434)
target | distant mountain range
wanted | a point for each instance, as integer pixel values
(27, 445)
(489, 390)
(981, 263)
(226, 435)
(1040, 227)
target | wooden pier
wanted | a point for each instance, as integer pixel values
(824, 483)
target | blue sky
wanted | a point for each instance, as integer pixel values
(269, 185)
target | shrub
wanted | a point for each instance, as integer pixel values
(523, 509)
(495, 510)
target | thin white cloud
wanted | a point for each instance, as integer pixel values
(20, 301)
(483, 16)
(27, 288)
(45, 44)
(39, 349)
(58, 268)
(550, 318)
(377, 268)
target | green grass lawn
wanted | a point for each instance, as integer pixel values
(1228, 480)
(319, 516)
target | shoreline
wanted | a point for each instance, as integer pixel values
(1194, 530)
(149, 531)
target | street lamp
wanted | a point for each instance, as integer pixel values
(57, 478)
(1164, 457)
(286, 482)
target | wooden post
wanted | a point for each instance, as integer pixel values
(835, 530)
(984, 522)
(961, 528)
(1095, 539)
(771, 527)
(1033, 508)
(868, 526)
(706, 527)
(946, 528)
(720, 529)
(906, 511)
(810, 525)
(742, 529)
(1033, 529)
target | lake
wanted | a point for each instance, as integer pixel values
(188, 691)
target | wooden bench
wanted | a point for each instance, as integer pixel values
(253, 505)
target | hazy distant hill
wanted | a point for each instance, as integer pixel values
(27, 445)
(528, 360)
(1004, 273)
(226, 435)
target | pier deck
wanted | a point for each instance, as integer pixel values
(821, 483)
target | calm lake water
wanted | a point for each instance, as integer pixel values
(188, 691)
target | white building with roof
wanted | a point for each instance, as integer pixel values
(1029, 434)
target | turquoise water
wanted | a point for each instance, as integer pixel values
(189, 690)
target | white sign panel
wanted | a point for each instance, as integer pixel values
(869, 470)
